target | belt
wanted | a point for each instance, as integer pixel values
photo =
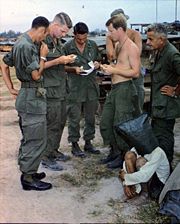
(114, 86)
(31, 84)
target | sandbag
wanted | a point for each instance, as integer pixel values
(137, 132)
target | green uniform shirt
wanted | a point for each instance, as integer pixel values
(25, 57)
(55, 76)
(82, 88)
(165, 71)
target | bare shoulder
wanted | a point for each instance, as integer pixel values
(131, 45)
(133, 34)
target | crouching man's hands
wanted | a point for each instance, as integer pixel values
(130, 191)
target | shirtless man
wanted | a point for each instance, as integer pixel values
(132, 34)
(136, 38)
(122, 101)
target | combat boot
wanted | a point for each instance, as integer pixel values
(30, 183)
(76, 151)
(51, 164)
(39, 176)
(116, 163)
(110, 157)
(88, 147)
(59, 156)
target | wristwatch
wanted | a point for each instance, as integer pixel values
(43, 58)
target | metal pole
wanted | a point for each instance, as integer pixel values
(156, 11)
(175, 9)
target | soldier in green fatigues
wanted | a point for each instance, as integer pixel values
(122, 102)
(55, 84)
(165, 100)
(83, 89)
(30, 102)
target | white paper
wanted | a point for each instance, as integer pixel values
(88, 71)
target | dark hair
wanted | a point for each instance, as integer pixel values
(158, 29)
(40, 21)
(63, 19)
(117, 22)
(81, 28)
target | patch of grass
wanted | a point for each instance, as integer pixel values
(116, 204)
(87, 173)
(95, 212)
(119, 219)
(117, 207)
(90, 170)
(71, 179)
(149, 214)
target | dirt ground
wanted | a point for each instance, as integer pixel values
(84, 192)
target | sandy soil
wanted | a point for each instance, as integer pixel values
(84, 192)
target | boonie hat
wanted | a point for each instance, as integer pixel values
(119, 11)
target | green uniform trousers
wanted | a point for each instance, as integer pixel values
(56, 120)
(163, 130)
(121, 105)
(74, 110)
(33, 143)
(139, 84)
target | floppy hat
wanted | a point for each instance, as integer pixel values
(116, 12)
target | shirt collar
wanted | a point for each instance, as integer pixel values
(162, 52)
(25, 35)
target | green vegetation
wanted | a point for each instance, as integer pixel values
(149, 214)
(88, 172)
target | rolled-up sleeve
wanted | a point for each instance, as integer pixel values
(32, 67)
(30, 59)
(8, 59)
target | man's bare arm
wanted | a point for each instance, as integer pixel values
(132, 72)
(36, 74)
(7, 79)
(138, 40)
(110, 50)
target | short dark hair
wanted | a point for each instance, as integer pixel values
(158, 29)
(81, 28)
(63, 19)
(40, 21)
(117, 22)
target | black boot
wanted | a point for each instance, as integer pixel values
(111, 156)
(59, 156)
(31, 183)
(88, 147)
(39, 176)
(116, 163)
(76, 151)
(51, 164)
